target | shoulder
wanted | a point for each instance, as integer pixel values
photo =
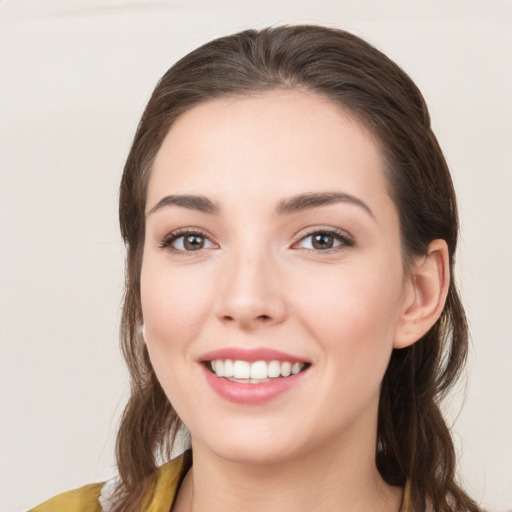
(99, 497)
(84, 499)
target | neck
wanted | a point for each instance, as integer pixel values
(341, 478)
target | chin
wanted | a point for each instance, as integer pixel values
(254, 455)
(250, 448)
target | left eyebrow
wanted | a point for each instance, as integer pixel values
(316, 199)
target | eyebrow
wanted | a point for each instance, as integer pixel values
(192, 202)
(287, 206)
(315, 199)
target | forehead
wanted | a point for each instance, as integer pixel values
(269, 144)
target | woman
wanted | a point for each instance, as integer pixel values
(291, 227)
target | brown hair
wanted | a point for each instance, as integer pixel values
(413, 440)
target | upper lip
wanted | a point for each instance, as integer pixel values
(250, 355)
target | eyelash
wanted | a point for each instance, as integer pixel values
(342, 237)
(167, 242)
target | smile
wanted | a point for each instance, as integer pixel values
(253, 376)
(254, 372)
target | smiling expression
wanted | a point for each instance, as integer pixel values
(272, 281)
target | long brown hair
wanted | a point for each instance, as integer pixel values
(414, 442)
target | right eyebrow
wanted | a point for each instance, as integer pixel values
(192, 202)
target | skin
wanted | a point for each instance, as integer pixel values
(259, 282)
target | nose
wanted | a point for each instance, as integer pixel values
(250, 294)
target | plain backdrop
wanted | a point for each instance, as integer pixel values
(75, 76)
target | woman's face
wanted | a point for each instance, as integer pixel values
(272, 246)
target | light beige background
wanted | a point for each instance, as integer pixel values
(75, 76)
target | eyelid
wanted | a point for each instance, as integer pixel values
(345, 239)
(170, 238)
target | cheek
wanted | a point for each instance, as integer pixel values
(174, 305)
(353, 314)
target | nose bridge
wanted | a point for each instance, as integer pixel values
(250, 294)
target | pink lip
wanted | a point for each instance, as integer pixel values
(250, 355)
(254, 394)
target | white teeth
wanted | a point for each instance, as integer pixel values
(296, 368)
(241, 370)
(259, 370)
(286, 369)
(274, 369)
(229, 369)
(219, 368)
(254, 372)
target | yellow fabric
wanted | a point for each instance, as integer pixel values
(159, 497)
(406, 499)
(84, 499)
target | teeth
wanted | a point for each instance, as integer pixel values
(242, 370)
(296, 368)
(274, 369)
(219, 368)
(229, 370)
(254, 372)
(286, 369)
(259, 370)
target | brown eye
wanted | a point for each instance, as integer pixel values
(193, 242)
(325, 241)
(187, 242)
(322, 241)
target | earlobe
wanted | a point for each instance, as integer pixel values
(425, 294)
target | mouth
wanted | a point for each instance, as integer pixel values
(254, 372)
(253, 376)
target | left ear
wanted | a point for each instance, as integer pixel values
(424, 295)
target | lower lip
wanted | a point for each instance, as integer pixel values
(256, 394)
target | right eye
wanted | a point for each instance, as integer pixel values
(188, 241)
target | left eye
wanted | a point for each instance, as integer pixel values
(322, 241)
(189, 242)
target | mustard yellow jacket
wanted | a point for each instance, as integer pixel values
(159, 497)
